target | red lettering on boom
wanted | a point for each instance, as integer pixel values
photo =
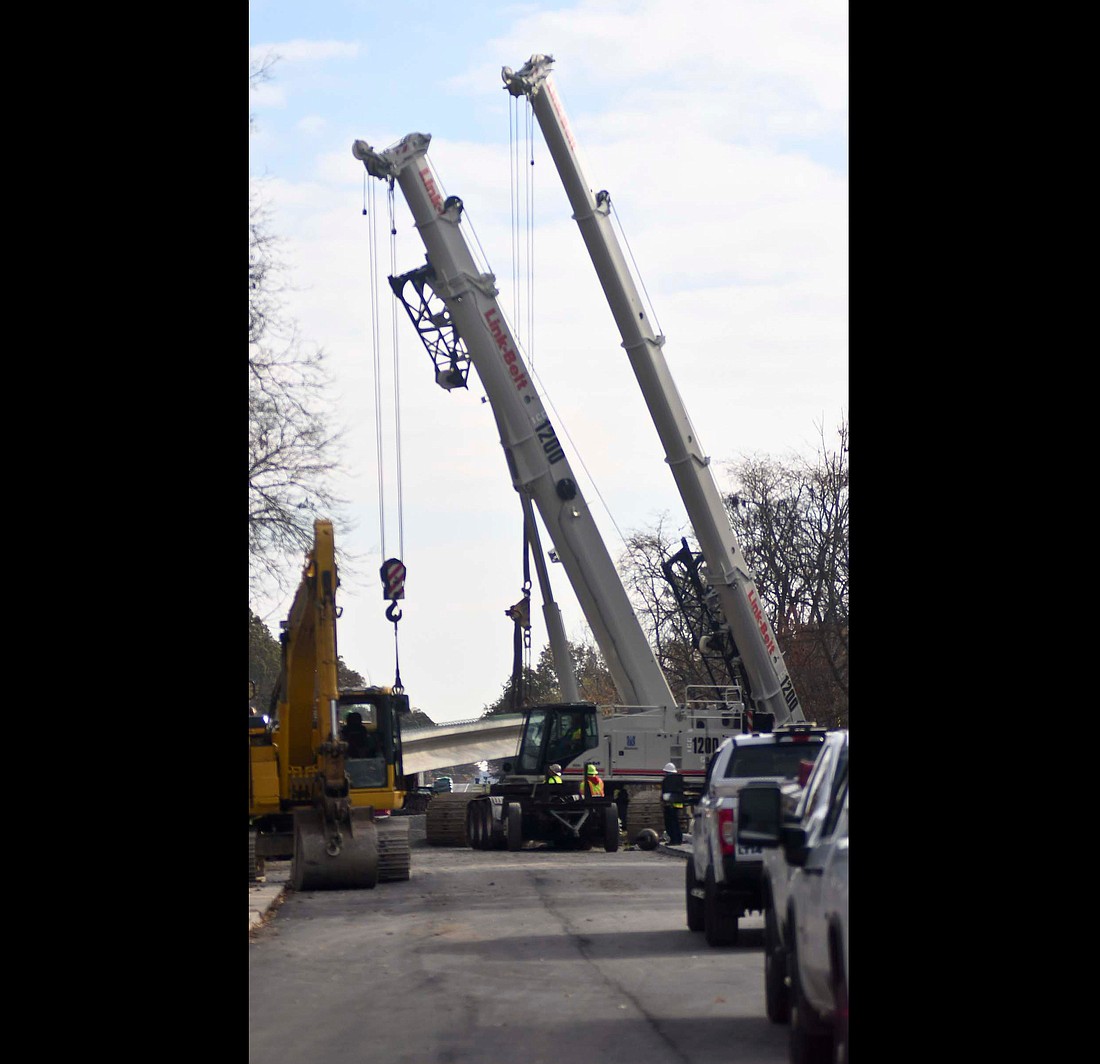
(501, 338)
(761, 621)
(429, 187)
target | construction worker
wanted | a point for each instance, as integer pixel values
(555, 774)
(592, 784)
(360, 742)
(672, 797)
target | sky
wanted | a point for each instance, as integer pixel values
(720, 129)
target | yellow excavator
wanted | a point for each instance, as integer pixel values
(324, 769)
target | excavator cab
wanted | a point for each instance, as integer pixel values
(373, 761)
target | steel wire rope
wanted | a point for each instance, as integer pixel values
(396, 386)
(376, 362)
(617, 222)
(513, 197)
(544, 393)
(483, 264)
(529, 173)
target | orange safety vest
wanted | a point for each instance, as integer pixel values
(592, 785)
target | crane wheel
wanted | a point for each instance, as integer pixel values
(354, 867)
(394, 858)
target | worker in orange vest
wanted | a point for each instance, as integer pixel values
(592, 784)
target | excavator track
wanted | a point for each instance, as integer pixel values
(394, 859)
(445, 822)
(354, 867)
(644, 810)
(255, 864)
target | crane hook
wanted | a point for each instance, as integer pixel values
(392, 612)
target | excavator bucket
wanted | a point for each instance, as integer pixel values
(347, 860)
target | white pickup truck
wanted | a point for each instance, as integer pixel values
(723, 877)
(805, 880)
(808, 810)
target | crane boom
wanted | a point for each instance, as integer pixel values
(727, 571)
(473, 323)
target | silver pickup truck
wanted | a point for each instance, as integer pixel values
(723, 879)
(805, 885)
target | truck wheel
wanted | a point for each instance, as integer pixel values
(719, 919)
(694, 905)
(611, 827)
(480, 826)
(840, 1015)
(777, 999)
(811, 1041)
(515, 826)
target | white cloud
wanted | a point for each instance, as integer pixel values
(301, 50)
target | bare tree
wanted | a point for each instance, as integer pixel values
(791, 519)
(292, 446)
(792, 522)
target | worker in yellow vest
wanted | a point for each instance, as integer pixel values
(554, 775)
(592, 784)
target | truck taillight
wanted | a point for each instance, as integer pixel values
(726, 832)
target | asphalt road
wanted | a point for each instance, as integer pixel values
(507, 958)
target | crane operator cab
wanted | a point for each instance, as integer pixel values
(556, 733)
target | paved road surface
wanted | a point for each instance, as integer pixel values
(507, 958)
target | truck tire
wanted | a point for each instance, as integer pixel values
(611, 827)
(840, 996)
(719, 919)
(694, 905)
(811, 1041)
(777, 998)
(515, 826)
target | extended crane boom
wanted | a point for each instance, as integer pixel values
(727, 572)
(469, 327)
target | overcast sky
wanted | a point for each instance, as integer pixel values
(720, 130)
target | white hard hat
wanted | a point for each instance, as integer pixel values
(670, 767)
(555, 769)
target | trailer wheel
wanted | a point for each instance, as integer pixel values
(471, 827)
(695, 919)
(479, 825)
(611, 827)
(515, 826)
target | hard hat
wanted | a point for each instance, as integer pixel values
(591, 770)
(555, 769)
(670, 767)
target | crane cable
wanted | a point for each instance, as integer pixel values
(522, 221)
(392, 570)
(522, 284)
